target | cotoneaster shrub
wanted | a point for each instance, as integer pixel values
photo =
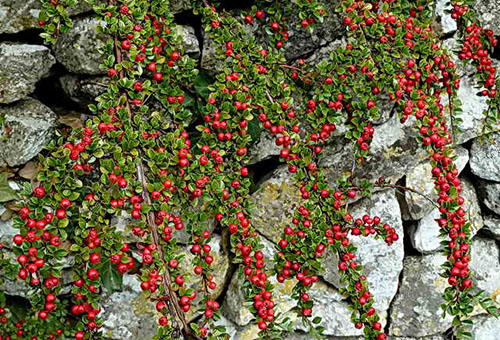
(149, 163)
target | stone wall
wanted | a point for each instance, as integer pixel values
(46, 88)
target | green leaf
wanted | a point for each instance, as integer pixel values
(112, 280)
(6, 192)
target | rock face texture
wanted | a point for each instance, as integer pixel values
(40, 85)
(29, 124)
(21, 66)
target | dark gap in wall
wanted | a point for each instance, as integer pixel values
(408, 247)
(49, 91)
(31, 36)
(389, 309)
(262, 169)
(189, 19)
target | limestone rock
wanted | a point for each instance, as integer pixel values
(30, 125)
(82, 90)
(393, 152)
(416, 308)
(301, 42)
(488, 12)
(128, 314)
(425, 234)
(492, 226)
(448, 24)
(485, 264)
(16, 16)
(381, 263)
(7, 230)
(21, 66)
(78, 49)
(489, 193)
(484, 158)
(420, 179)
(263, 149)
(485, 328)
(274, 203)
(472, 115)
(189, 41)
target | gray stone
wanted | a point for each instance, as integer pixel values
(265, 148)
(485, 264)
(128, 314)
(381, 263)
(21, 66)
(274, 203)
(472, 115)
(420, 179)
(83, 90)
(301, 42)
(30, 125)
(488, 12)
(448, 24)
(425, 234)
(485, 328)
(189, 41)
(393, 152)
(492, 226)
(489, 193)
(484, 158)
(16, 16)
(78, 49)
(415, 311)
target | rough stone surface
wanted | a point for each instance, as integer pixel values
(21, 66)
(448, 25)
(189, 41)
(301, 42)
(78, 49)
(489, 193)
(416, 311)
(82, 90)
(7, 231)
(274, 203)
(128, 314)
(484, 156)
(485, 328)
(472, 115)
(16, 16)
(492, 226)
(393, 152)
(485, 263)
(489, 13)
(263, 149)
(381, 263)
(30, 125)
(420, 179)
(425, 234)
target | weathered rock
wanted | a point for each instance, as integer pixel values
(381, 263)
(30, 125)
(485, 328)
(189, 41)
(263, 149)
(7, 231)
(301, 42)
(492, 226)
(488, 12)
(489, 193)
(472, 116)
(274, 203)
(328, 304)
(485, 264)
(82, 90)
(393, 152)
(416, 310)
(448, 24)
(484, 156)
(16, 16)
(425, 234)
(128, 314)
(305, 336)
(78, 49)
(420, 179)
(21, 66)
